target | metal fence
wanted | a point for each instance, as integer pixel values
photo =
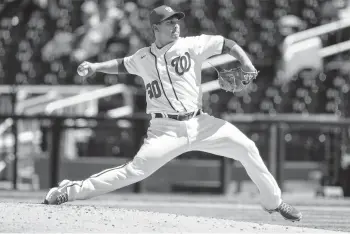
(66, 139)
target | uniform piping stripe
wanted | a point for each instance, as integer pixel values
(74, 184)
(171, 82)
(99, 174)
(110, 169)
(161, 84)
(223, 47)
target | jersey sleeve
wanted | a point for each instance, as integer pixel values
(132, 63)
(206, 46)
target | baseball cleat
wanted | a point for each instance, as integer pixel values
(288, 212)
(57, 195)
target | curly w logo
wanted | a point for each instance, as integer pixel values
(182, 64)
(169, 9)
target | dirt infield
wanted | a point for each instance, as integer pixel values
(21, 217)
(130, 213)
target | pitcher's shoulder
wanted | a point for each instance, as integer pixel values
(187, 38)
(144, 49)
(188, 42)
(141, 52)
(194, 40)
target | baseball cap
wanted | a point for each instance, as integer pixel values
(162, 13)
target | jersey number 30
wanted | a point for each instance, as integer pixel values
(153, 89)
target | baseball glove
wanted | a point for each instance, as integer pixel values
(235, 80)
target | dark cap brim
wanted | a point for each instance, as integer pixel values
(179, 15)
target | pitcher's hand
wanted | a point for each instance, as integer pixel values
(86, 69)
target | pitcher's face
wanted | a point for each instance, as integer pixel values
(168, 30)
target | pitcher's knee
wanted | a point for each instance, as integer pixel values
(140, 167)
(251, 147)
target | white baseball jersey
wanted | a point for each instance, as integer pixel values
(172, 74)
(172, 77)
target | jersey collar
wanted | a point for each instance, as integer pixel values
(156, 51)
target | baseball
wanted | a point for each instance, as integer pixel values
(82, 72)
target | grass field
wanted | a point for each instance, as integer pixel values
(121, 213)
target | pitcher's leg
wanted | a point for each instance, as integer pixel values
(160, 147)
(152, 155)
(224, 139)
(110, 179)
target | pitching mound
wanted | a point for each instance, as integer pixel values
(23, 217)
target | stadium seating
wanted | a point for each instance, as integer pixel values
(45, 45)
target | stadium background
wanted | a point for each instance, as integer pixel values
(42, 42)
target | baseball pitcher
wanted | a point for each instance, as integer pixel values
(171, 71)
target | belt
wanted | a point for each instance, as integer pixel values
(180, 117)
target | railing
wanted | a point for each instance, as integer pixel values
(316, 31)
(334, 49)
(92, 96)
(289, 40)
(43, 89)
(25, 130)
(86, 104)
(28, 106)
(35, 105)
(277, 126)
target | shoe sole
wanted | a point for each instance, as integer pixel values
(274, 211)
(293, 220)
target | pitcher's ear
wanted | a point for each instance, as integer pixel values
(155, 27)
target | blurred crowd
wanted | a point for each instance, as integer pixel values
(43, 41)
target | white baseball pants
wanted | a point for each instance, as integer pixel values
(168, 138)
